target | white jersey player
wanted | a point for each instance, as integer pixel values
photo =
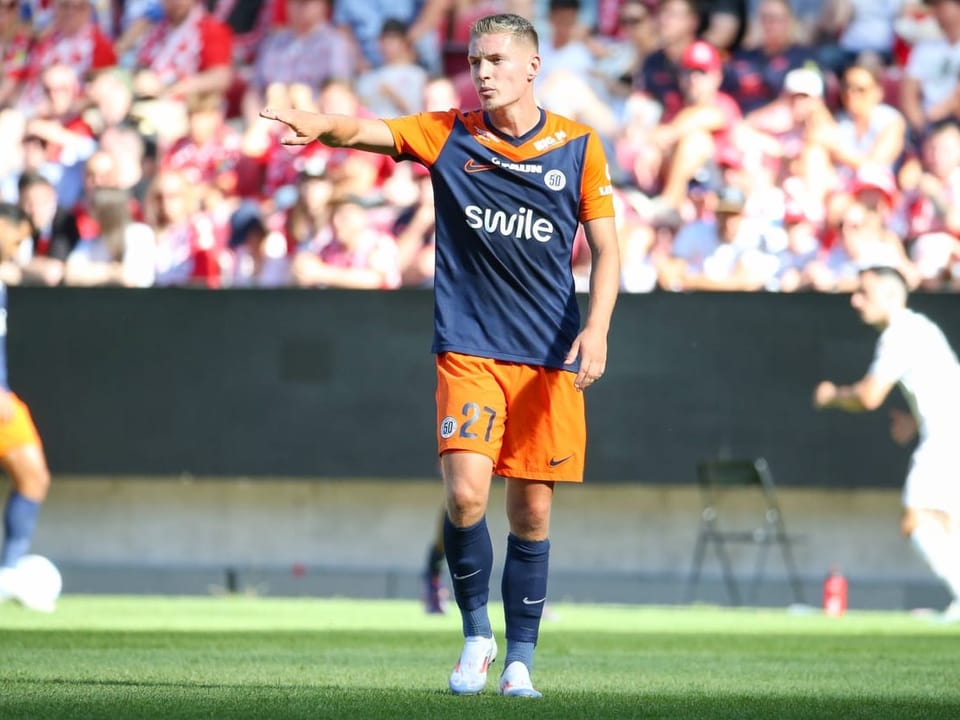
(913, 353)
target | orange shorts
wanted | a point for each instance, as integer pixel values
(529, 420)
(20, 430)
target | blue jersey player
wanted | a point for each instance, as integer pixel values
(512, 185)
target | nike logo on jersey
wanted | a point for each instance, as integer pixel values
(468, 575)
(472, 166)
(528, 601)
(554, 461)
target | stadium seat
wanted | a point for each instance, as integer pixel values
(743, 492)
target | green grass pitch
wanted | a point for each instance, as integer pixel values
(242, 657)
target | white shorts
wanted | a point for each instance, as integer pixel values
(933, 480)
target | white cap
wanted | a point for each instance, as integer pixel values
(803, 81)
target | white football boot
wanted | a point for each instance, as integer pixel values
(469, 675)
(8, 583)
(515, 681)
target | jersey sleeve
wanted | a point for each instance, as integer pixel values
(891, 360)
(421, 137)
(596, 190)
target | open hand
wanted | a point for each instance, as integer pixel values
(591, 347)
(305, 126)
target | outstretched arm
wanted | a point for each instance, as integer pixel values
(865, 395)
(368, 134)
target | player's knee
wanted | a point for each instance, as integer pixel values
(465, 505)
(530, 522)
(34, 482)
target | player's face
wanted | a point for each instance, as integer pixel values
(871, 299)
(502, 68)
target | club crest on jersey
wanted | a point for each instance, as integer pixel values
(555, 180)
(448, 426)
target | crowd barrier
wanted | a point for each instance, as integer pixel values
(339, 384)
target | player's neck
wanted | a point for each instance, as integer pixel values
(515, 120)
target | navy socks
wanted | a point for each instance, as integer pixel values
(469, 553)
(524, 590)
(19, 520)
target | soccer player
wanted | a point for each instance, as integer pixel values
(512, 183)
(21, 454)
(913, 352)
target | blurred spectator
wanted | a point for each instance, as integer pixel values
(308, 220)
(249, 21)
(565, 83)
(562, 48)
(755, 76)
(659, 77)
(723, 24)
(440, 93)
(396, 87)
(68, 139)
(808, 15)
(850, 28)
(791, 132)
(702, 129)
(122, 253)
(111, 93)
(259, 257)
(868, 131)
(728, 252)
(646, 246)
(932, 189)
(619, 59)
(929, 89)
(74, 40)
(360, 23)
(127, 149)
(187, 53)
(15, 41)
(100, 172)
(863, 241)
(186, 247)
(415, 233)
(55, 230)
(136, 19)
(801, 248)
(14, 243)
(307, 51)
(355, 256)
(353, 172)
(208, 155)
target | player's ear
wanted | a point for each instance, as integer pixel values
(533, 68)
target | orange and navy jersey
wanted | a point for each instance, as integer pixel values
(508, 210)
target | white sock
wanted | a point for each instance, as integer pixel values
(934, 544)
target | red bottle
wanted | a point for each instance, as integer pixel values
(835, 593)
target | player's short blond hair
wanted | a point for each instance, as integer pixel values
(506, 24)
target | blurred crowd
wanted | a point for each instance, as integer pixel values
(774, 145)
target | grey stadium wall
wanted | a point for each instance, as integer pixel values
(339, 384)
